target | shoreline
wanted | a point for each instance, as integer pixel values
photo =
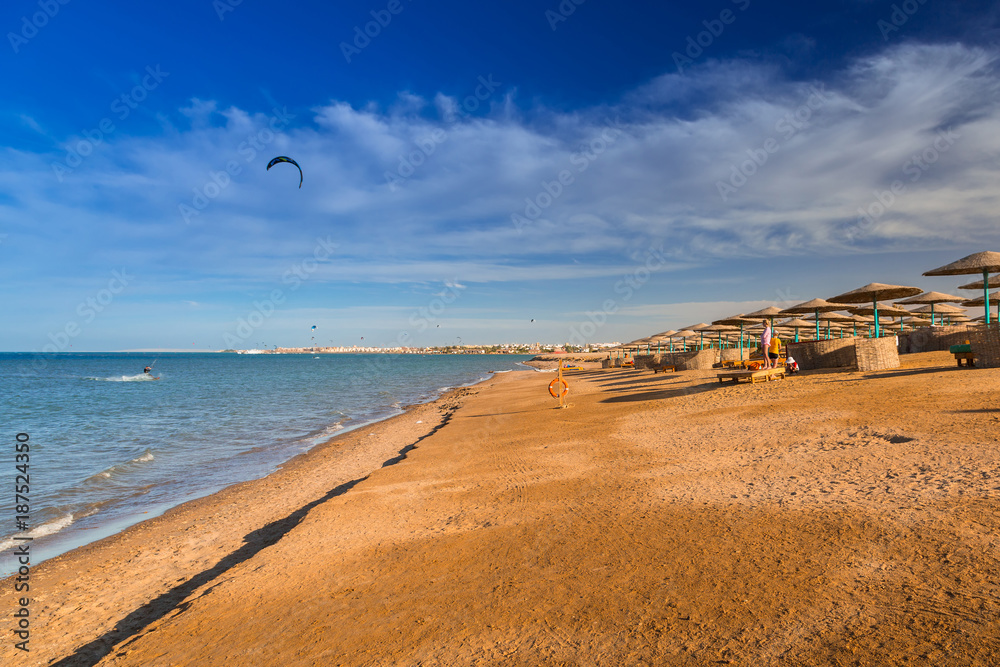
(343, 459)
(78, 533)
(833, 517)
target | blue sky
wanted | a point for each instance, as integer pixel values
(608, 170)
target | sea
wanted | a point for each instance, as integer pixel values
(109, 446)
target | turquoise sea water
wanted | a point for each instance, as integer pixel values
(110, 447)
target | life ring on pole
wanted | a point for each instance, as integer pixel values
(556, 393)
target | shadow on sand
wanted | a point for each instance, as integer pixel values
(132, 625)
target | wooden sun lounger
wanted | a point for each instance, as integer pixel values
(664, 368)
(764, 375)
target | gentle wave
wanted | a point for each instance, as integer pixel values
(107, 473)
(48, 528)
(141, 377)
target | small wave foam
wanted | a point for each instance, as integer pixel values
(108, 473)
(48, 528)
(144, 457)
(141, 377)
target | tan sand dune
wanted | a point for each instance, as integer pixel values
(829, 519)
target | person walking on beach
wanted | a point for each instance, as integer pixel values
(765, 344)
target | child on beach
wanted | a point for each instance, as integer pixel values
(773, 352)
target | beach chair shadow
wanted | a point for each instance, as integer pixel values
(660, 394)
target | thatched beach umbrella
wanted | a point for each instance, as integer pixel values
(931, 298)
(816, 306)
(880, 312)
(698, 327)
(871, 293)
(768, 313)
(980, 262)
(798, 323)
(915, 322)
(719, 328)
(683, 334)
(943, 309)
(978, 284)
(736, 320)
(831, 319)
(666, 335)
(978, 301)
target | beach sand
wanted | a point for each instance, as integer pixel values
(832, 518)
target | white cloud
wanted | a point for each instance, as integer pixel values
(653, 182)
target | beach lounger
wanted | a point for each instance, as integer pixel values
(753, 376)
(963, 352)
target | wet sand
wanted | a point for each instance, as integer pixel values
(833, 518)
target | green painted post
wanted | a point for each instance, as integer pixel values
(875, 308)
(986, 295)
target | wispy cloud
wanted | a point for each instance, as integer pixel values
(652, 181)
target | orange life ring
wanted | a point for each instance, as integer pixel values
(552, 389)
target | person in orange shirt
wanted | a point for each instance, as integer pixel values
(773, 351)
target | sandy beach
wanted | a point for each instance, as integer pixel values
(833, 518)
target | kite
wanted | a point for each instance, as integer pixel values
(313, 328)
(282, 158)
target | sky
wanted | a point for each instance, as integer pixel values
(575, 171)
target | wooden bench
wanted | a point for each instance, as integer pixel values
(754, 376)
(664, 368)
(964, 352)
(968, 357)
